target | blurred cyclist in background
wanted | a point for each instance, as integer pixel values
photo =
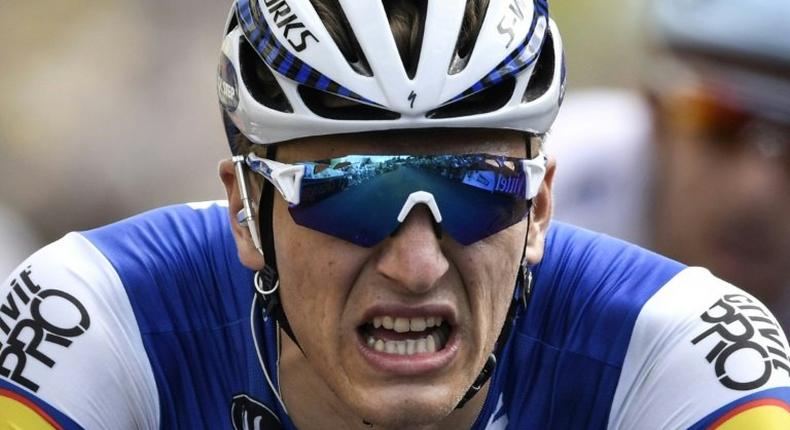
(385, 258)
(702, 171)
(17, 238)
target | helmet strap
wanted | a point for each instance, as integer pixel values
(267, 279)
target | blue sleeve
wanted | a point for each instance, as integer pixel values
(191, 297)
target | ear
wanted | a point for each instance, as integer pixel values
(248, 254)
(541, 215)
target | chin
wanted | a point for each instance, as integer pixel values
(406, 407)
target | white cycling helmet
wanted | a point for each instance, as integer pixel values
(756, 32)
(282, 76)
(742, 49)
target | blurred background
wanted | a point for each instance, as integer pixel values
(108, 108)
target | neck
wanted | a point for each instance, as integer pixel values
(312, 404)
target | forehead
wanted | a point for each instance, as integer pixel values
(412, 142)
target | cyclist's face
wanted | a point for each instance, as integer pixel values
(726, 195)
(335, 292)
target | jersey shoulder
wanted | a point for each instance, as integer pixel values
(179, 266)
(71, 355)
(192, 300)
(589, 289)
(704, 353)
(625, 338)
(569, 346)
(149, 325)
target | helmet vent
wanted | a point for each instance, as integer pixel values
(543, 73)
(331, 106)
(467, 36)
(407, 23)
(259, 80)
(487, 100)
(336, 23)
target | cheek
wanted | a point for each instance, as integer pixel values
(489, 269)
(300, 251)
(316, 272)
(299, 261)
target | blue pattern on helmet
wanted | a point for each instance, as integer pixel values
(280, 59)
(323, 83)
(542, 7)
(304, 72)
(513, 64)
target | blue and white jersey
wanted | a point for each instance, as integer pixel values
(151, 323)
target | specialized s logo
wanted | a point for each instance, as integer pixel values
(745, 331)
(249, 414)
(31, 316)
(513, 16)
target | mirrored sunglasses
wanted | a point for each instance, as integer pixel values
(364, 198)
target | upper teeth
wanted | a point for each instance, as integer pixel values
(403, 325)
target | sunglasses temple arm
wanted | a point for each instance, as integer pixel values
(248, 218)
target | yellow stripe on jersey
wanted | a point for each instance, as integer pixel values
(16, 413)
(763, 414)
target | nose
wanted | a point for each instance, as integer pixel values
(412, 257)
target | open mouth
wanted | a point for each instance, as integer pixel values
(406, 336)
